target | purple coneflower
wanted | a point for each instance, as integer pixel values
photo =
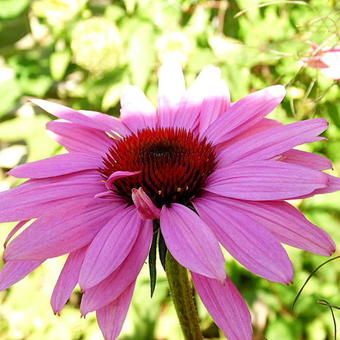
(212, 172)
(326, 59)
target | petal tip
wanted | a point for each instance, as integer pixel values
(145, 207)
(278, 91)
(289, 279)
(332, 250)
(38, 102)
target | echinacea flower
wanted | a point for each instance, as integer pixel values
(326, 59)
(211, 171)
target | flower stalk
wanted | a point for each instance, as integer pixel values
(181, 293)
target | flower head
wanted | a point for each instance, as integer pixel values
(326, 59)
(212, 172)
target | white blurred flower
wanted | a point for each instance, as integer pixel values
(96, 45)
(174, 46)
(57, 12)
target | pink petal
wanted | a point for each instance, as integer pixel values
(264, 124)
(108, 123)
(67, 280)
(286, 223)
(205, 100)
(14, 271)
(191, 242)
(110, 247)
(145, 207)
(265, 180)
(111, 317)
(171, 88)
(52, 235)
(267, 144)
(261, 126)
(35, 210)
(57, 166)
(307, 159)
(245, 113)
(245, 239)
(333, 184)
(90, 119)
(216, 98)
(16, 228)
(226, 305)
(137, 112)
(28, 200)
(77, 138)
(115, 284)
(108, 195)
(117, 175)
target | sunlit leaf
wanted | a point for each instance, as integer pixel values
(59, 62)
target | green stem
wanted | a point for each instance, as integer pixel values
(181, 293)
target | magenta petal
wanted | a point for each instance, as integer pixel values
(67, 280)
(28, 200)
(117, 175)
(245, 113)
(205, 100)
(78, 138)
(14, 271)
(145, 207)
(57, 166)
(264, 124)
(16, 228)
(286, 223)
(307, 159)
(137, 112)
(106, 122)
(191, 242)
(171, 88)
(333, 184)
(215, 104)
(226, 305)
(111, 317)
(107, 195)
(110, 247)
(90, 119)
(265, 180)
(49, 236)
(245, 239)
(110, 288)
(273, 142)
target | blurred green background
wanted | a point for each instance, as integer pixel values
(81, 53)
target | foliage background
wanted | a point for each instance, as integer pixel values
(81, 53)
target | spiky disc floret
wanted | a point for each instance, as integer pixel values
(174, 164)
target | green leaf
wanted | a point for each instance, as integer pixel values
(141, 53)
(111, 97)
(59, 62)
(284, 328)
(130, 5)
(152, 262)
(162, 249)
(32, 71)
(20, 128)
(9, 94)
(12, 8)
(334, 113)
